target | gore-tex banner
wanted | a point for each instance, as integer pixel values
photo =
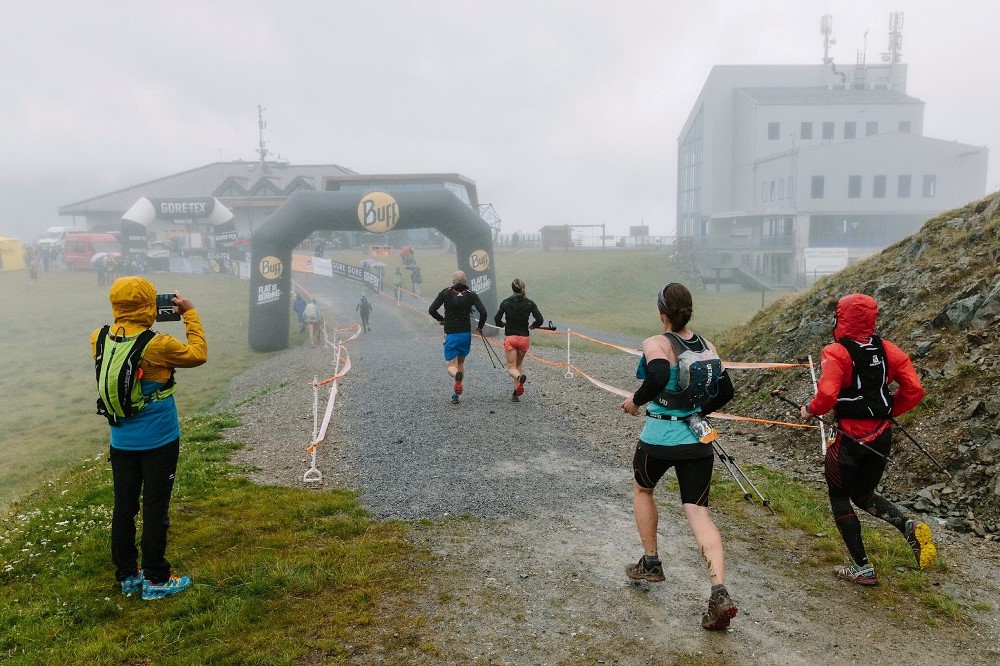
(225, 233)
(186, 208)
(180, 209)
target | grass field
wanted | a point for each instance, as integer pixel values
(47, 385)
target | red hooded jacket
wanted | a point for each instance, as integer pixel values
(856, 315)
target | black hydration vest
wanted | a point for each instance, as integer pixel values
(868, 396)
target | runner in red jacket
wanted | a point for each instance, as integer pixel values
(857, 371)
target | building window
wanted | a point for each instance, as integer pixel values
(772, 190)
(806, 131)
(930, 186)
(773, 131)
(850, 129)
(781, 189)
(816, 188)
(854, 187)
(871, 128)
(904, 126)
(827, 131)
(763, 192)
(878, 187)
(903, 187)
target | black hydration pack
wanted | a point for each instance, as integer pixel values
(868, 396)
(698, 373)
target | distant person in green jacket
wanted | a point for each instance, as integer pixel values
(513, 317)
(397, 284)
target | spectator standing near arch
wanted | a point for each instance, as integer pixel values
(145, 433)
(416, 279)
(513, 316)
(458, 301)
(300, 307)
(397, 283)
(364, 308)
(312, 317)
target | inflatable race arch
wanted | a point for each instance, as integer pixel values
(374, 212)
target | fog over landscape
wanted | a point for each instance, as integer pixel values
(562, 112)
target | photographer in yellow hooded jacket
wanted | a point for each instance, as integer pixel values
(145, 444)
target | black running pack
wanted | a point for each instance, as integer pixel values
(868, 396)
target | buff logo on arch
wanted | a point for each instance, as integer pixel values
(479, 261)
(271, 268)
(376, 212)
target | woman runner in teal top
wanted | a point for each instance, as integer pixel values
(667, 441)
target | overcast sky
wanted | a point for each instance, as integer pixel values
(563, 111)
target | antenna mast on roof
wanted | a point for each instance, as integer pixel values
(262, 150)
(826, 29)
(895, 38)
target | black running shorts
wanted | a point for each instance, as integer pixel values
(694, 476)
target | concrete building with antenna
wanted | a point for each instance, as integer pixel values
(789, 172)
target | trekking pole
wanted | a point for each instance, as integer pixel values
(917, 444)
(722, 452)
(490, 351)
(778, 393)
(725, 463)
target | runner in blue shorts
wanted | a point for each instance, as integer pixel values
(458, 301)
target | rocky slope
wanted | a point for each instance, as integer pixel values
(939, 298)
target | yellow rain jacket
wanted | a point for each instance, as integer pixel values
(133, 303)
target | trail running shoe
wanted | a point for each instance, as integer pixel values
(918, 535)
(173, 585)
(458, 383)
(721, 610)
(133, 582)
(862, 575)
(514, 397)
(454, 399)
(519, 387)
(651, 574)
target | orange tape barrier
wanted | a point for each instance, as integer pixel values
(625, 394)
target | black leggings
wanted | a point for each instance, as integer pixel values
(694, 476)
(149, 473)
(852, 474)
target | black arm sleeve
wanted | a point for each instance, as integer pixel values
(498, 318)
(725, 394)
(536, 317)
(433, 309)
(657, 376)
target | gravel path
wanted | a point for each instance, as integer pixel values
(547, 484)
(396, 436)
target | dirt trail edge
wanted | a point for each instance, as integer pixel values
(525, 510)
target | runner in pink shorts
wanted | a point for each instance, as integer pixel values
(516, 310)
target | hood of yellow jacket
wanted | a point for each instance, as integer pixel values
(133, 301)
